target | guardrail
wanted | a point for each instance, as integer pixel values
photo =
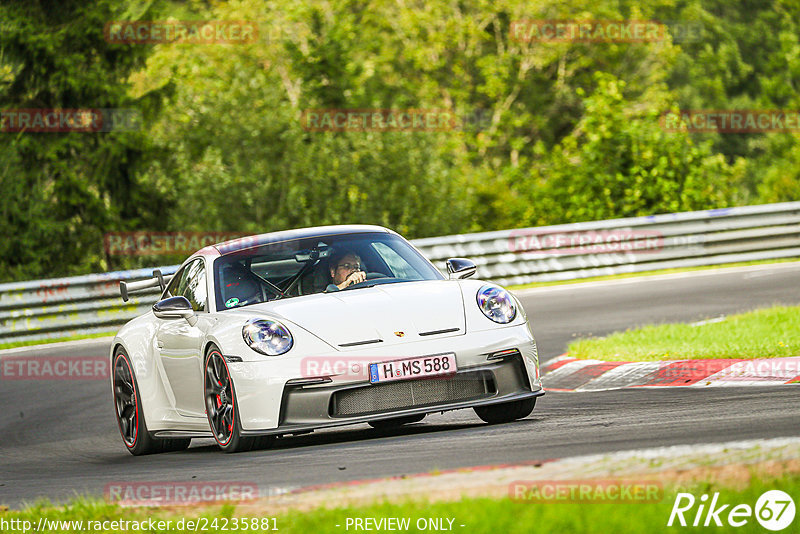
(87, 304)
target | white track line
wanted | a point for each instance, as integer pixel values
(61, 344)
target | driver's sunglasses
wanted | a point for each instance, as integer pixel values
(349, 266)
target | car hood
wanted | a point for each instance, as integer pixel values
(393, 313)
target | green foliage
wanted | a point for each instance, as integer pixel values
(61, 191)
(619, 162)
(569, 131)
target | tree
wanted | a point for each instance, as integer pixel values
(62, 191)
(619, 162)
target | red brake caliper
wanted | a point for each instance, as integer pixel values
(230, 427)
(219, 405)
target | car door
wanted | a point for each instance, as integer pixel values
(180, 345)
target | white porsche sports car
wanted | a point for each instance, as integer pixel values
(287, 332)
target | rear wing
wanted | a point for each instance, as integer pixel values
(158, 280)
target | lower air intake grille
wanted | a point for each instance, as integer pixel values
(412, 394)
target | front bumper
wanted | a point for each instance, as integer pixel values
(269, 404)
(306, 408)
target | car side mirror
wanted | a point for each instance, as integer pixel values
(458, 268)
(175, 308)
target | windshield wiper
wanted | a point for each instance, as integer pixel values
(378, 282)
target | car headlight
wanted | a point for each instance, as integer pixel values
(267, 337)
(497, 304)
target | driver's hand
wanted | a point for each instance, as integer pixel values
(355, 277)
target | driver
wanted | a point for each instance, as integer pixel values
(345, 269)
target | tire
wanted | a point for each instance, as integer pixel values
(130, 415)
(396, 421)
(506, 412)
(222, 409)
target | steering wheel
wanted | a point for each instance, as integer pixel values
(370, 277)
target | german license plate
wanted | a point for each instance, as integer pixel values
(438, 364)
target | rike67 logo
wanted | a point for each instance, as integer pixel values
(774, 510)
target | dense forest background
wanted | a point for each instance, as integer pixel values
(563, 131)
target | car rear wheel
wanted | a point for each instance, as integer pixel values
(506, 412)
(130, 415)
(222, 409)
(396, 421)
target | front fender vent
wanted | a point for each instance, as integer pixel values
(437, 332)
(357, 343)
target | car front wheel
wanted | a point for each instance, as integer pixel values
(506, 412)
(222, 409)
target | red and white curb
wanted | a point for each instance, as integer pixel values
(571, 374)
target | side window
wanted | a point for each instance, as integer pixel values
(193, 285)
(190, 282)
(172, 288)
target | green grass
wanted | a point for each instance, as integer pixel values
(76, 337)
(648, 273)
(766, 333)
(484, 515)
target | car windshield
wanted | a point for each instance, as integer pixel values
(307, 266)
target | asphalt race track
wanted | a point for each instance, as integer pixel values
(59, 438)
